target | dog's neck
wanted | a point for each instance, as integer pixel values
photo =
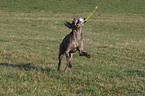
(77, 31)
(77, 35)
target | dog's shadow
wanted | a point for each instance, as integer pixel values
(27, 67)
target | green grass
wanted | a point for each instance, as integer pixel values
(30, 34)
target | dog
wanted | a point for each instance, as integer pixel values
(71, 43)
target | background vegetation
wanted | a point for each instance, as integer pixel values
(31, 31)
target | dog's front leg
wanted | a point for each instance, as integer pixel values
(82, 53)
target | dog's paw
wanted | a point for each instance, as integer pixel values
(89, 56)
(70, 65)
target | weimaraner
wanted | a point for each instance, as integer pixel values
(71, 43)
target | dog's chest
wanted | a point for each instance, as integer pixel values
(77, 38)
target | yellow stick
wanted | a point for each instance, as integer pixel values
(87, 17)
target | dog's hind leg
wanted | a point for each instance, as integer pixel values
(59, 58)
(68, 59)
(61, 53)
(70, 65)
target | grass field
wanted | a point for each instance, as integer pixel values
(30, 34)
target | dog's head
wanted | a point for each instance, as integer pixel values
(74, 24)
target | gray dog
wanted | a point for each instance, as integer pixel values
(71, 43)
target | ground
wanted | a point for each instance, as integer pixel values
(30, 34)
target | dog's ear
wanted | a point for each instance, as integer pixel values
(67, 24)
(85, 19)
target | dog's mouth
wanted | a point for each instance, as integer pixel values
(76, 22)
